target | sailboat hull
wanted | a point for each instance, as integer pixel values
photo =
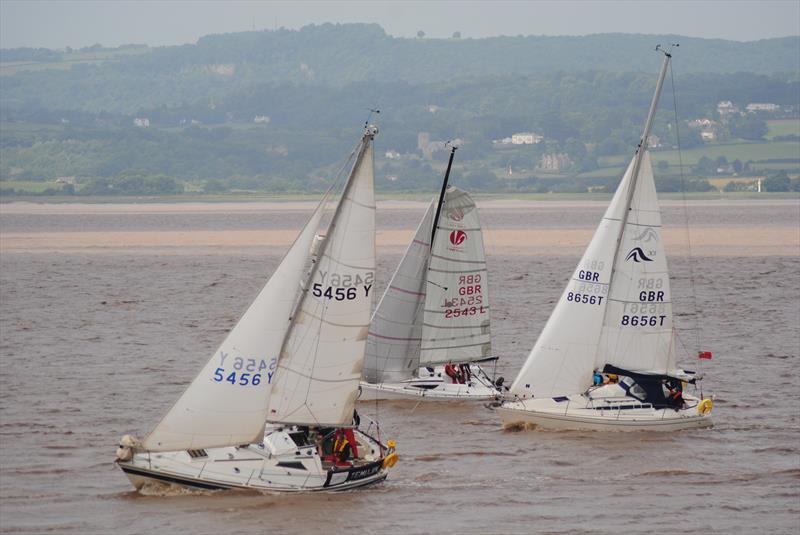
(277, 465)
(433, 386)
(580, 413)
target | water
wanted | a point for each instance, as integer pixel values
(96, 343)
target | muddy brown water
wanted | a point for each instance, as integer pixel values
(98, 341)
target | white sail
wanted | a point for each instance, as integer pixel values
(456, 317)
(226, 404)
(563, 358)
(393, 343)
(322, 358)
(637, 332)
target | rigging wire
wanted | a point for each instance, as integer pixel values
(693, 291)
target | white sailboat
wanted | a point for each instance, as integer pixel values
(432, 328)
(606, 359)
(266, 409)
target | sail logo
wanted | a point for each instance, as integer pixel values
(647, 235)
(637, 255)
(455, 214)
(457, 237)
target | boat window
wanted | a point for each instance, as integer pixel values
(425, 387)
(299, 438)
(638, 392)
(197, 454)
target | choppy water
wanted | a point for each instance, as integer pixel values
(94, 346)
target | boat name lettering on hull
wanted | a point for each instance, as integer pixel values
(364, 472)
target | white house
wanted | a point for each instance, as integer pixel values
(526, 138)
(762, 106)
(141, 122)
(261, 119)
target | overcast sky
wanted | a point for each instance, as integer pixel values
(61, 23)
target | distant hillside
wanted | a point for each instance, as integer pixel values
(334, 54)
(276, 110)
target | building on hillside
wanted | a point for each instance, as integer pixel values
(261, 119)
(141, 122)
(768, 107)
(392, 154)
(726, 107)
(526, 138)
(653, 141)
(555, 161)
(708, 135)
(701, 123)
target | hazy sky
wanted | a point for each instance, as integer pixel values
(56, 24)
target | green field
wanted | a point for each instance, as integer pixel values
(783, 127)
(732, 151)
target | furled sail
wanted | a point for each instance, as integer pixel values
(226, 404)
(323, 355)
(456, 315)
(393, 343)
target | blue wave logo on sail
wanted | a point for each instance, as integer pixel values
(647, 235)
(637, 255)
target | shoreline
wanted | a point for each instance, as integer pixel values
(775, 240)
(294, 204)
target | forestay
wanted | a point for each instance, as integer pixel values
(322, 359)
(226, 404)
(456, 316)
(393, 344)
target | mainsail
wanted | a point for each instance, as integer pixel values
(616, 308)
(322, 357)
(456, 316)
(226, 404)
(395, 333)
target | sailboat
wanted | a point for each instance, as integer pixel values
(274, 407)
(606, 358)
(432, 328)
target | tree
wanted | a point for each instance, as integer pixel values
(749, 127)
(420, 34)
(777, 182)
(662, 165)
(456, 35)
(737, 166)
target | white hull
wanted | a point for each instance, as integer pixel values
(277, 465)
(436, 386)
(581, 413)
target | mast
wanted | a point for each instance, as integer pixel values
(441, 194)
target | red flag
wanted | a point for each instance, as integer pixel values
(704, 355)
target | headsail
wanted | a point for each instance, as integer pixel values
(226, 404)
(322, 358)
(393, 344)
(456, 317)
